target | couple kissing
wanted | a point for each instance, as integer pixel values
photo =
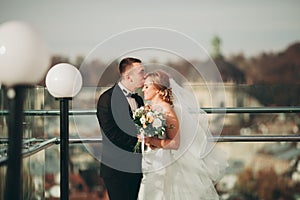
(173, 166)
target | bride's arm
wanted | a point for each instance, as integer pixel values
(173, 137)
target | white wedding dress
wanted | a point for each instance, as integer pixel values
(191, 171)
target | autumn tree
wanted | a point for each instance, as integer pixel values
(264, 184)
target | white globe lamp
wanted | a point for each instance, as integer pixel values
(24, 57)
(63, 81)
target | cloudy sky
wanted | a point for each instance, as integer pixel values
(73, 27)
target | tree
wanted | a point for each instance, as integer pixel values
(216, 47)
(264, 184)
(274, 77)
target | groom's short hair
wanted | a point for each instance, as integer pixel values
(126, 63)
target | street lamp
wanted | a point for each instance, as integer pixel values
(24, 60)
(64, 81)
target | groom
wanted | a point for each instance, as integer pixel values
(120, 167)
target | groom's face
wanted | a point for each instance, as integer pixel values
(137, 73)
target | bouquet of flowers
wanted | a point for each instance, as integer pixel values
(149, 122)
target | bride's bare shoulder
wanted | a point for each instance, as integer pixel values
(165, 108)
(169, 110)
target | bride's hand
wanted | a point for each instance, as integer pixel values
(152, 147)
(149, 142)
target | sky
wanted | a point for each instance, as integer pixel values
(76, 27)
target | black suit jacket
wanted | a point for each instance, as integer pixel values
(118, 133)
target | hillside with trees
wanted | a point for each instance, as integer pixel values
(280, 72)
(272, 78)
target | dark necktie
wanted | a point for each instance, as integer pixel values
(132, 95)
(135, 96)
(138, 99)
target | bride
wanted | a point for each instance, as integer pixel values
(183, 165)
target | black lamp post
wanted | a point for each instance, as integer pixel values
(24, 59)
(64, 147)
(64, 81)
(14, 163)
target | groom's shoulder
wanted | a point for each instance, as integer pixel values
(109, 91)
(106, 95)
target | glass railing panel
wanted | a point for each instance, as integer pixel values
(261, 124)
(3, 140)
(33, 176)
(252, 96)
(2, 181)
(33, 169)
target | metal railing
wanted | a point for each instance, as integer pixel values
(41, 144)
(32, 146)
(228, 138)
(228, 110)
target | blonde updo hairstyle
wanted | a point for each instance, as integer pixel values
(161, 82)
